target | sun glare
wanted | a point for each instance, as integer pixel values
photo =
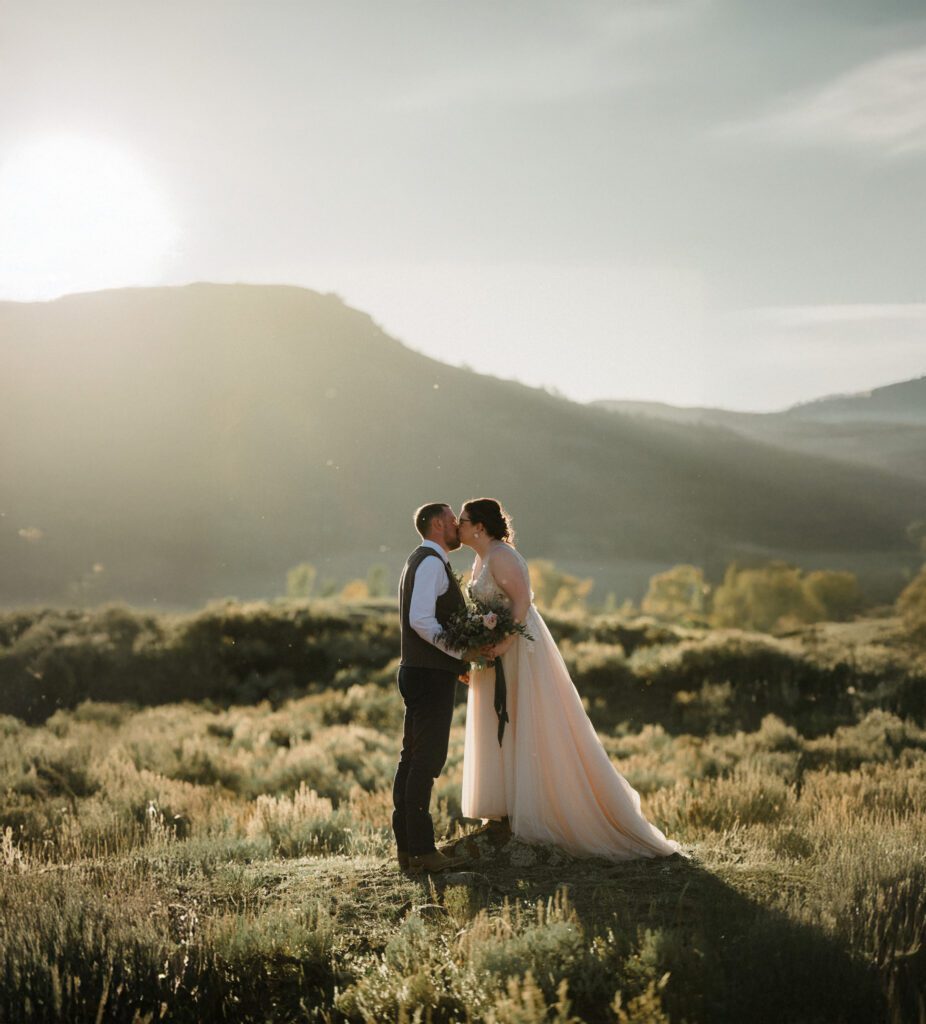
(76, 215)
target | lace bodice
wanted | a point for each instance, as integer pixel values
(483, 586)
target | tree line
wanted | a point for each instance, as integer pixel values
(771, 597)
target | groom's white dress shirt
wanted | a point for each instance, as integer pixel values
(430, 582)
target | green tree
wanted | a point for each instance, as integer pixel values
(376, 580)
(678, 593)
(836, 595)
(765, 598)
(300, 580)
(556, 590)
(912, 603)
(916, 534)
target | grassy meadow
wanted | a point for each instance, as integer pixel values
(194, 825)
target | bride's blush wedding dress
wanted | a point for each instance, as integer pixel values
(551, 776)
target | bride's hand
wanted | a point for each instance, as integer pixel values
(501, 647)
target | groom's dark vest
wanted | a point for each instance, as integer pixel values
(418, 653)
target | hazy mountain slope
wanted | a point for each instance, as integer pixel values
(198, 441)
(904, 402)
(884, 428)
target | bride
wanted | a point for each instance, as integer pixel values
(550, 776)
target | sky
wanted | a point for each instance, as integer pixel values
(700, 202)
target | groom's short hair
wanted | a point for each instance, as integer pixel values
(427, 514)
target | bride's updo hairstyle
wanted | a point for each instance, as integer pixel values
(489, 514)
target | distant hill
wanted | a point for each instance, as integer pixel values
(884, 428)
(895, 403)
(196, 442)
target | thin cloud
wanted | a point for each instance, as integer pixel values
(836, 340)
(880, 105)
(847, 313)
(580, 51)
(782, 355)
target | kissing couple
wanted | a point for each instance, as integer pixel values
(547, 772)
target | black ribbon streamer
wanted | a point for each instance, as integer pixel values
(501, 698)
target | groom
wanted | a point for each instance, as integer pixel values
(428, 595)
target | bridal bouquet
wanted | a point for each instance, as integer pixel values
(482, 624)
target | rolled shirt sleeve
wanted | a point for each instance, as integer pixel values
(430, 582)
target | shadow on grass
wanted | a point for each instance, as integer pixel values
(729, 957)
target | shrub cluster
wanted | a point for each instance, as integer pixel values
(250, 894)
(628, 671)
(227, 653)
(720, 681)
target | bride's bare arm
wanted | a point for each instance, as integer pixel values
(508, 574)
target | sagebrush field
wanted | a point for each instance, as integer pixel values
(228, 857)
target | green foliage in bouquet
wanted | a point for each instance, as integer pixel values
(481, 624)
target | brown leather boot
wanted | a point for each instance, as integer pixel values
(431, 863)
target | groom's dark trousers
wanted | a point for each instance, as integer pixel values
(428, 694)
(427, 682)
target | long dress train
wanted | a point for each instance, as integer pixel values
(551, 776)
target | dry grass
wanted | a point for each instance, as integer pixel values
(184, 863)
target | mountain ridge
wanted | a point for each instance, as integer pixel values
(881, 428)
(900, 401)
(883, 394)
(199, 440)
